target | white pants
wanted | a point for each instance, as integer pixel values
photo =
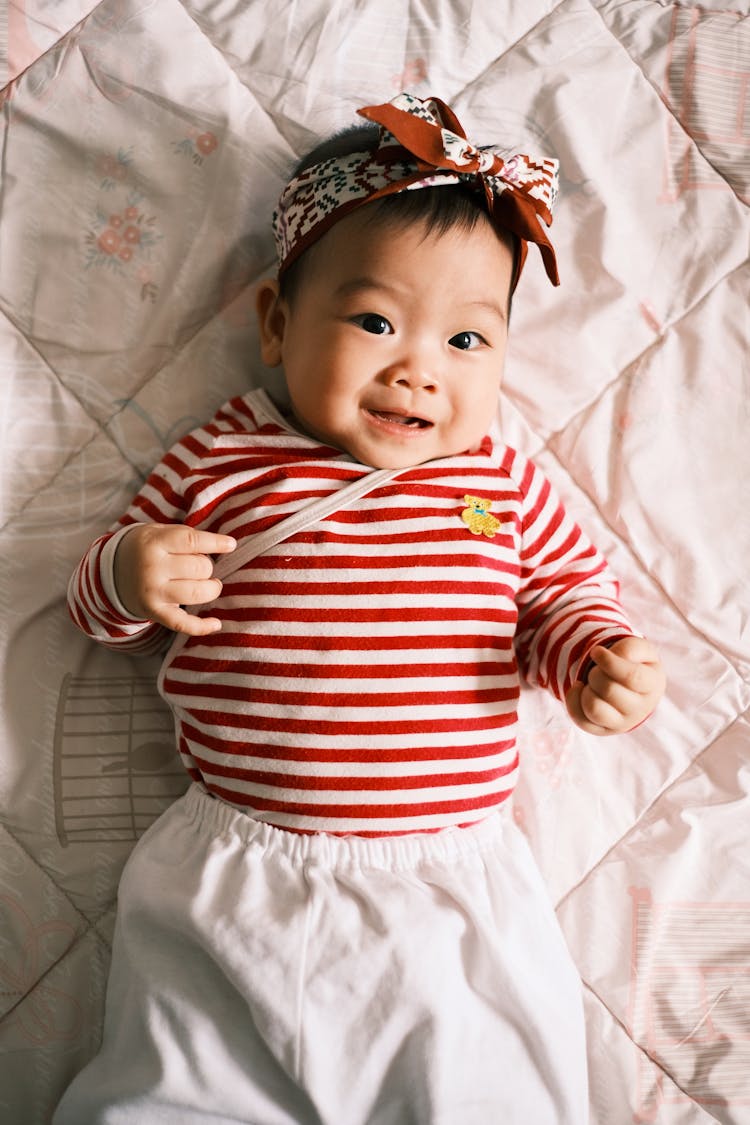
(270, 978)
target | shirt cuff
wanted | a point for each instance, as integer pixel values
(107, 575)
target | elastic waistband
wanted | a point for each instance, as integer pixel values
(387, 852)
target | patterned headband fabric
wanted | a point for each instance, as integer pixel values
(422, 144)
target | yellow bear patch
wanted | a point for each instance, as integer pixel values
(477, 517)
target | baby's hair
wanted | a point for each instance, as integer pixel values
(439, 208)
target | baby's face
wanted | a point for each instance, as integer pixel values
(393, 345)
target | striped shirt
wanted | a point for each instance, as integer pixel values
(366, 678)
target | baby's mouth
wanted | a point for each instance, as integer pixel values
(408, 420)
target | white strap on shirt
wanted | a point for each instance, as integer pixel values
(300, 520)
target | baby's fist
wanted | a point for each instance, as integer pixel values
(624, 686)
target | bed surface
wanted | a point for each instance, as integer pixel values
(143, 148)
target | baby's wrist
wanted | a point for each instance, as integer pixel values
(112, 582)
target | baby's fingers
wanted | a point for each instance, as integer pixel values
(180, 621)
(574, 704)
(181, 593)
(605, 701)
(632, 663)
(192, 592)
(183, 540)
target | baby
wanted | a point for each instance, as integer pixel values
(339, 924)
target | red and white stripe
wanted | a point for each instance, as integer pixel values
(365, 679)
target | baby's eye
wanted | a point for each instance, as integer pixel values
(374, 323)
(466, 341)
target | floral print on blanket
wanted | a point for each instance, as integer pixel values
(196, 144)
(122, 235)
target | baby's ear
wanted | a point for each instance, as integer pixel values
(271, 311)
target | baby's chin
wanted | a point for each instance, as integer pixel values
(407, 459)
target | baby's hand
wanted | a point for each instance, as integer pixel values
(159, 568)
(623, 688)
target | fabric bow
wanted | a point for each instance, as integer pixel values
(421, 144)
(519, 189)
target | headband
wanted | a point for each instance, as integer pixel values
(421, 144)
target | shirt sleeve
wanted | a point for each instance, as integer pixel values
(95, 607)
(92, 596)
(168, 496)
(569, 600)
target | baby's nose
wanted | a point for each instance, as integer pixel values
(414, 374)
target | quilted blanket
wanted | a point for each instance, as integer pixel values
(144, 143)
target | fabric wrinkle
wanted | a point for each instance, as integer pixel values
(302, 975)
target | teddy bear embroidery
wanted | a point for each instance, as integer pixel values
(478, 518)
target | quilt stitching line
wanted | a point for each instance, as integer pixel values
(204, 32)
(86, 924)
(103, 428)
(644, 353)
(7, 525)
(457, 95)
(636, 824)
(72, 30)
(640, 1047)
(511, 47)
(176, 352)
(672, 114)
(32, 859)
(75, 398)
(51, 967)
